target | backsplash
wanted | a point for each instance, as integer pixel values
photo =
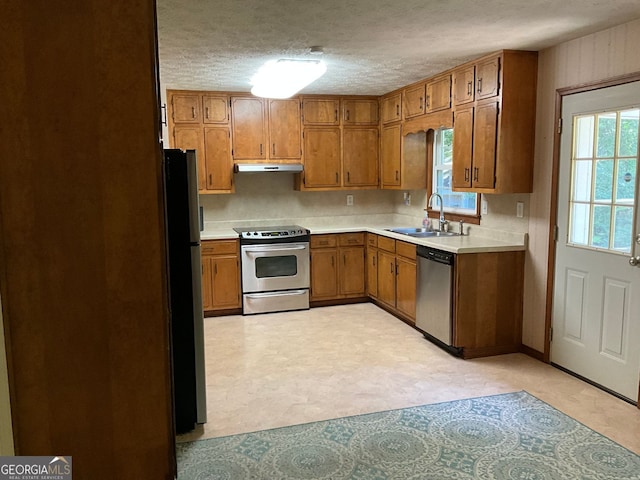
(271, 197)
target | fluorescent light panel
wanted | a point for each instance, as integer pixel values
(284, 78)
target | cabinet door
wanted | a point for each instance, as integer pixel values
(321, 157)
(464, 80)
(391, 108)
(216, 109)
(207, 283)
(218, 163)
(414, 103)
(487, 78)
(192, 138)
(360, 157)
(406, 287)
(390, 152)
(351, 270)
(372, 272)
(324, 274)
(485, 131)
(284, 129)
(319, 111)
(462, 148)
(360, 112)
(249, 134)
(387, 278)
(439, 94)
(226, 282)
(185, 108)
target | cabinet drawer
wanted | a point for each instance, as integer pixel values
(372, 240)
(388, 244)
(407, 250)
(219, 247)
(323, 241)
(349, 239)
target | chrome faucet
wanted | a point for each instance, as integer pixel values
(442, 222)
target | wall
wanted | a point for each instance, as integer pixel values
(595, 57)
(6, 432)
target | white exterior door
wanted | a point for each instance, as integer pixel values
(596, 301)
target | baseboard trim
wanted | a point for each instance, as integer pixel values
(532, 352)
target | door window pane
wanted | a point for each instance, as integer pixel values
(601, 226)
(604, 180)
(623, 229)
(583, 132)
(626, 182)
(629, 133)
(606, 134)
(582, 180)
(579, 232)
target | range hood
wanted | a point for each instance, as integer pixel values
(267, 167)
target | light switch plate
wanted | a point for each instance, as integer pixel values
(349, 200)
(483, 206)
(519, 209)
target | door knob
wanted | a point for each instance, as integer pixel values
(633, 261)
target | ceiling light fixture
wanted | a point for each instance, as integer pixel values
(285, 77)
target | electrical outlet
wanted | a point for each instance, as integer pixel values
(407, 198)
(483, 206)
(349, 200)
(519, 209)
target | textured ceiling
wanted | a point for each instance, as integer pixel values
(371, 47)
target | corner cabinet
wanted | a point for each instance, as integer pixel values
(221, 290)
(200, 121)
(494, 123)
(337, 267)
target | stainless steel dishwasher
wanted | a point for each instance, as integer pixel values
(434, 301)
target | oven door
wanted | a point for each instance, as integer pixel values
(282, 266)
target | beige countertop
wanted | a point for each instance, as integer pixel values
(472, 243)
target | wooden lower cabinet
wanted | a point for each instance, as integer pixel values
(488, 295)
(220, 275)
(337, 266)
(396, 276)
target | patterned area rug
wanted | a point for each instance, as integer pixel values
(512, 436)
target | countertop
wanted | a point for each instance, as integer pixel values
(471, 243)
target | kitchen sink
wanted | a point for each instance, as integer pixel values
(421, 232)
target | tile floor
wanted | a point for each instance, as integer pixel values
(272, 370)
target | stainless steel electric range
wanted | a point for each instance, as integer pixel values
(275, 268)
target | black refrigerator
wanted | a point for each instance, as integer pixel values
(185, 288)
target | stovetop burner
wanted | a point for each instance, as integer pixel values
(273, 234)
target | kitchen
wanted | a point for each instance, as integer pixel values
(595, 48)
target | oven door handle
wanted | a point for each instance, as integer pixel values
(272, 248)
(287, 293)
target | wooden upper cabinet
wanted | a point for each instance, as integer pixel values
(360, 157)
(218, 163)
(488, 78)
(322, 160)
(320, 111)
(190, 137)
(439, 94)
(185, 108)
(284, 129)
(248, 128)
(414, 100)
(390, 146)
(485, 134)
(360, 112)
(464, 79)
(391, 108)
(462, 148)
(215, 109)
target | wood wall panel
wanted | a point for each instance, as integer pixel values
(82, 262)
(599, 56)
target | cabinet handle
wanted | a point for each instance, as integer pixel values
(475, 174)
(346, 115)
(348, 177)
(374, 261)
(210, 179)
(397, 178)
(396, 269)
(335, 114)
(397, 109)
(206, 112)
(273, 149)
(260, 149)
(420, 103)
(469, 85)
(466, 174)
(336, 178)
(427, 101)
(391, 267)
(479, 85)
(193, 112)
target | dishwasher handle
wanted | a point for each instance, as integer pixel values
(435, 255)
